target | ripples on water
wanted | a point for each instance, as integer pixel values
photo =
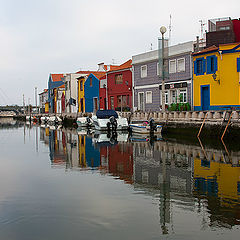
(70, 184)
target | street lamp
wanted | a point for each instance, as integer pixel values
(162, 31)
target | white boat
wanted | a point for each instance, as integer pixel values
(146, 127)
(44, 119)
(54, 120)
(84, 122)
(108, 120)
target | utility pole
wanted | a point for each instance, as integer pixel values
(162, 31)
(23, 104)
(36, 99)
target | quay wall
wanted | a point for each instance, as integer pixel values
(184, 122)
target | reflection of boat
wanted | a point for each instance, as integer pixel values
(149, 127)
(109, 120)
(111, 138)
(44, 119)
(53, 127)
(54, 120)
(84, 131)
(31, 118)
(84, 122)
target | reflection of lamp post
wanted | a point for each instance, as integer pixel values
(162, 31)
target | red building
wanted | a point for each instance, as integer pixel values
(120, 161)
(119, 87)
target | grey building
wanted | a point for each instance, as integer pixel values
(147, 81)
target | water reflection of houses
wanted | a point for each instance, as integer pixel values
(163, 170)
(56, 141)
(117, 159)
(182, 173)
(219, 184)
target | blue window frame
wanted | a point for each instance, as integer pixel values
(238, 64)
(200, 66)
(211, 64)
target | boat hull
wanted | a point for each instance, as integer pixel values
(141, 129)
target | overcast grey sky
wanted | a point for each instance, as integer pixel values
(61, 36)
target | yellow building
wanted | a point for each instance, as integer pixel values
(81, 94)
(81, 151)
(219, 179)
(216, 78)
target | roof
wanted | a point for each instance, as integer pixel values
(112, 67)
(97, 74)
(206, 50)
(125, 65)
(44, 91)
(57, 77)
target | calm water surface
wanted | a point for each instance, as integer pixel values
(66, 184)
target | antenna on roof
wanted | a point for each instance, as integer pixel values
(151, 46)
(113, 61)
(202, 27)
(170, 28)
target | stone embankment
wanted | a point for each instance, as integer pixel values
(183, 123)
(189, 122)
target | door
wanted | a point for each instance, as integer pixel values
(111, 102)
(141, 101)
(81, 104)
(205, 97)
(105, 104)
(95, 104)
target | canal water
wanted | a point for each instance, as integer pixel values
(73, 184)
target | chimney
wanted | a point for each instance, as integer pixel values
(197, 44)
(101, 67)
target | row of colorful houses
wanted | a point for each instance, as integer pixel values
(203, 74)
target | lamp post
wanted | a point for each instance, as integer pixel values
(162, 31)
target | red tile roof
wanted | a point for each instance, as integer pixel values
(206, 50)
(97, 74)
(125, 65)
(57, 77)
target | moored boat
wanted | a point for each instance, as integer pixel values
(84, 122)
(109, 120)
(54, 120)
(149, 127)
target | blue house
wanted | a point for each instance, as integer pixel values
(91, 89)
(54, 81)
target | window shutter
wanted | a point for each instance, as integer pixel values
(238, 64)
(208, 64)
(204, 66)
(215, 63)
(195, 66)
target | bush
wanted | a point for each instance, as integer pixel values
(180, 107)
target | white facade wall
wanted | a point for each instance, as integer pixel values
(71, 91)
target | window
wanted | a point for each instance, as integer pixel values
(81, 85)
(90, 82)
(238, 64)
(211, 64)
(143, 71)
(181, 65)
(166, 97)
(118, 79)
(148, 97)
(224, 28)
(159, 70)
(172, 66)
(199, 66)
(183, 95)
(173, 93)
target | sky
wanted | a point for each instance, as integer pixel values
(63, 36)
